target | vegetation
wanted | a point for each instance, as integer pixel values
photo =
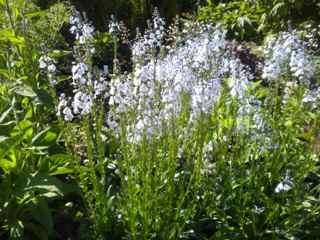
(252, 20)
(204, 126)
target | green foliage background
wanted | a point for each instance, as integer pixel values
(132, 12)
(253, 19)
(245, 19)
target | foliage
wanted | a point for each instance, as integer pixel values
(236, 168)
(31, 159)
(197, 139)
(252, 20)
(133, 12)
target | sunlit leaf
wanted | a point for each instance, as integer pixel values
(25, 90)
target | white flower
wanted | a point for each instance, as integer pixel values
(53, 82)
(156, 90)
(100, 86)
(287, 52)
(258, 210)
(146, 46)
(73, 29)
(52, 68)
(284, 186)
(86, 33)
(114, 27)
(300, 65)
(45, 62)
(79, 72)
(64, 109)
(48, 64)
(74, 20)
(68, 116)
(82, 103)
(83, 30)
(42, 63)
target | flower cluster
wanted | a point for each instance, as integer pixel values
(195, 70)
(87, 88)
(80, 74)
(285, 185)
(48, 65)
(82, 30)
(312, 97)
(63, 108)
(114, 27)
(89, 83)
(287, 52)
(146, 45)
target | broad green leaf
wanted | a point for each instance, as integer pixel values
(59, 164)
(61, 171)
(46, 186)
(25, 90)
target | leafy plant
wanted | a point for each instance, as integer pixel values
(252, 20)
(29, 146)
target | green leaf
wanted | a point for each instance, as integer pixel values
(277, 8)
(39, 135)
(38, 150)
(28, 134)
(7, 166)
(9, 35)
(61, 171)
(45, 98)
(3, 138)
(35, 14)
(5, 114)
(46, 186)
(16, 230)
(50, 137)
(59, 164)
(243, 20)
(25, 90)
(7, 124)
(60, 158)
